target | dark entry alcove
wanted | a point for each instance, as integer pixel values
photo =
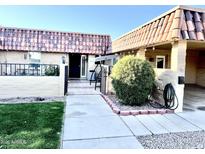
(74, 65)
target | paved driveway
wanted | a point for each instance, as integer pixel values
(90, 123)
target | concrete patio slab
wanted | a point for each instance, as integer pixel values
(85, 100)
(151, 124)
(94, 127)
(88, 110)
(104, 143)
(166, 123)
(82, 91)
(87, 105)
(181, 122)
(196, 118)
(81, 85)
(136, 127)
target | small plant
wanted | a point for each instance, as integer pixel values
(133, 80)
(52, 71)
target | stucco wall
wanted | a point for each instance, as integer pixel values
(153, 54)
(25, 86)
(91, 65)
(46, 58)
(22, 57)
(191, 67)
(165, 76)
(53, 58)
(13, 57)
(195, 68)
(200, 75)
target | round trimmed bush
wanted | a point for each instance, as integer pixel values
(132, 80)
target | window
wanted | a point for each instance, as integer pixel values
(35, 57)
(160, 61)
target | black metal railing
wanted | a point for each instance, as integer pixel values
(14, 69)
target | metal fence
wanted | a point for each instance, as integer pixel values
(14, 69)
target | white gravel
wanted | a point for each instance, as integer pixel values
(17, 100)
(185, 140)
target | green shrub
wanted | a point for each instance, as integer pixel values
(132, 80)
(52, 71)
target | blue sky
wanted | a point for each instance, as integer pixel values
(113, 20)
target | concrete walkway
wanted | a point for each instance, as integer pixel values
(90, 123)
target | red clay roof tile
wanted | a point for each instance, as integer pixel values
(190, 25)
(200, 36)
(188, 15)
(197, 17)
(199, 26)
(184, 26)
(192, 35)
(185, 35)
(179, 24)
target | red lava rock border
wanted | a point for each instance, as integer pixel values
(116, 110)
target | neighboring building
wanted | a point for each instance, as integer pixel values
(78, 50)
(174, 43)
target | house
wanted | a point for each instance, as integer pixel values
(174, 43)
(33, 46)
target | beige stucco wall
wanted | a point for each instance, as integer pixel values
(91, 65)
(200, 75)
(195, 68)
(153, 54)
(46, 58)
(191, 67)
(22, 57)
(13, 57)
(53, 58)
(200, 78)
(165, 76)
(36, 86)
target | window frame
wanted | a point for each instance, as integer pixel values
(164, 61)
(34, 60)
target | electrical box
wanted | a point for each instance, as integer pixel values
(181, 80)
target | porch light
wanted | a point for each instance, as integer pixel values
(172, 42)
(153, 48)
(63, 59)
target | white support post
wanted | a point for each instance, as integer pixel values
(178, 66)
(61, 80)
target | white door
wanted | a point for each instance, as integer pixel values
(83, 66)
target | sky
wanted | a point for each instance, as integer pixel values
(112, 20)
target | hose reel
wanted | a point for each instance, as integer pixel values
(169, 96)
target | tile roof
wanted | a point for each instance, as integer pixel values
(180, 23)
(19, 39)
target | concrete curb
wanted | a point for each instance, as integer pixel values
(116, 110)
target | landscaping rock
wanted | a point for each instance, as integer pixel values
(123, 107)
(185, 140)
(16, 100)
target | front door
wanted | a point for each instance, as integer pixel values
(74, 65)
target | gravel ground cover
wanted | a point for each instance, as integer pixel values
(185, 140)
(16, 100)
(128, 107)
